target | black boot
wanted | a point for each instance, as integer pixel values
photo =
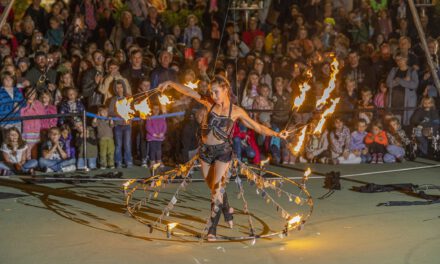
(228, 215)
(216, 211)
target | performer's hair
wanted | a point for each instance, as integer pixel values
(221, 81)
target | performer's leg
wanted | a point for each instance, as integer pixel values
(217, 185)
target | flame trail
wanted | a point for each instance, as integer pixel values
(192, 85)
(331, 85)
(324, 115)
(299, 100)
(143, 108)
(123, 107)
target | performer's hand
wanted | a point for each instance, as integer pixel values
(163, 86)
(283, 134)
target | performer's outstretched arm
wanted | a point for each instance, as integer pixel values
(257, 127)
(184, 90)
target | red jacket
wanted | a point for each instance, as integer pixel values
(380, 138)
(251, 141)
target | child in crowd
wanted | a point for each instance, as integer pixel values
(56, 155)
(49, 109)
(32, 127)
(426, 121)
(10, 100)
(71, 105)
(67, 139)
(244, 142)
(91, 147)
(14, 153)
(357, 141)
(122, 129)
(156, 129)
(105, 136)
(340, 144)
(397, 140)
(380, 99)
(316, 147)
(275, 148)
(366, 103)
(377, 142)
(192, 30)
(262, 102)
(55, 33)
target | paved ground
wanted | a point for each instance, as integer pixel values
(86, 223)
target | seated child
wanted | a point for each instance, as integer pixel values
(357, 141)
(377, 142)
(397, 141)
(14, 153)
(55, 154)
(340, 144)
(244, 142)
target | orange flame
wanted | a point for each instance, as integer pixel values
(299, 100)
(123, 107)
(307, 173)
(294, 220)
(324, 115)
(331, 85)
(171, 226)
(309, 73)
(264, 162)
(164, 100)
(300, 142)
(127, 184)
(192, 85)
(143, 108)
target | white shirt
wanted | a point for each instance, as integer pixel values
(15, 156)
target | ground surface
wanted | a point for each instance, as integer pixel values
(86, 223)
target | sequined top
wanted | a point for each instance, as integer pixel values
(221, 126)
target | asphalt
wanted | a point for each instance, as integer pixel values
(87, 222)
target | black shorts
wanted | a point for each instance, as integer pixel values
(211, 153)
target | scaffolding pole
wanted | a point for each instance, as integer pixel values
(422, 37)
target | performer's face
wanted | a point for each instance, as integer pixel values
(217, 93)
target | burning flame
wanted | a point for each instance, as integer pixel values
(264, 162)
(171, 226)
(331, 85)
(294, 221)
(127, 184)
(300, 142)
(309, 73)
(307, 173)
(123, 107)
(143, 108)
(155, 166)
(324, 115)
(164, 100)
(299, 100)
(192, 85)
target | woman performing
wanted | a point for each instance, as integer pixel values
(216, 148)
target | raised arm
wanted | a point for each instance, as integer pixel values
(184, 90)
(257, 127)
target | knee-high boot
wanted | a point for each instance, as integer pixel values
(226, 209)
(216, 211)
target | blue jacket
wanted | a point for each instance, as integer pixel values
(7, 105)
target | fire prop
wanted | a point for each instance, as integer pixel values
(123, 107)
(291, 202)
(299, 100)
(331, 85)
(143, 108)
(327, 112)
(192, 85)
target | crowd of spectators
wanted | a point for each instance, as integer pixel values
(86, 55)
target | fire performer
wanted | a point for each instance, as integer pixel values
(216, 147)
